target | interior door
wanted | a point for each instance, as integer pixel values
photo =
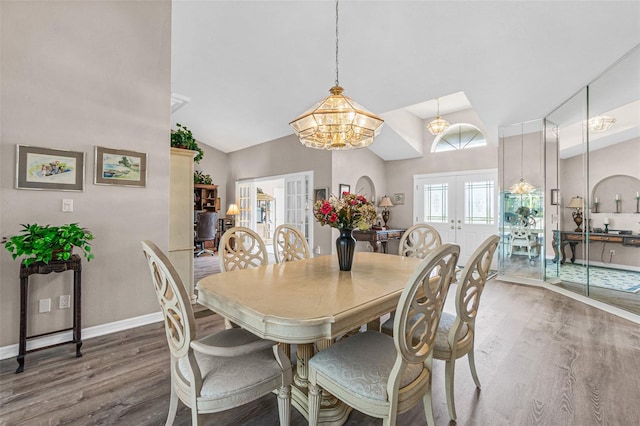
(297, 203)
(462, 207)
(247, 198)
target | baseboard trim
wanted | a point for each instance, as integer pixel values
(11, 351)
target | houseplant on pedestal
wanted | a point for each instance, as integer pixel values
(183, 138)
(39, 243)
(346, 214)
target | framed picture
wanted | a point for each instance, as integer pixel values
(120, 167)
(49, 169)
(398, 198)
(555, 197)
(320, 194)
(343, 188)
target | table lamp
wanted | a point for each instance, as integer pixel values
(578, 204)
(385, 203)
(233, 211)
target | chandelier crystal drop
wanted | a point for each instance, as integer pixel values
(439, 125)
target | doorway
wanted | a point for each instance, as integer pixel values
(461, 206)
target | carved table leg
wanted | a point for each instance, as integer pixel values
(22, 346)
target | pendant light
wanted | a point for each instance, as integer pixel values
(337, 122)
(439, 125)
(522, 187)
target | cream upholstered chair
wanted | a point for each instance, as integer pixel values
(456, 333)
(218, 372)
(241, 248)
(419, 241)
(521, 237)
(289, 244)
(380, 375)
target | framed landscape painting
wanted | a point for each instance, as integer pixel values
(120, 167)
(49, 169)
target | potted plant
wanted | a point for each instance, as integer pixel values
(39, 243)
(199, 177)
(183, 138)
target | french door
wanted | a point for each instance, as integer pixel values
(461, 206)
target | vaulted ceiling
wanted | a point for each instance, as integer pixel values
(247, 68)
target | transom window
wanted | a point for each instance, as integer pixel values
(459, 136)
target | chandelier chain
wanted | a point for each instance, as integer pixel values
(522, 150)
(337, 82)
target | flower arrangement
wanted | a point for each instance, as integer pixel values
(349, 212)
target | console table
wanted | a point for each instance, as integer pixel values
(378, 238)
(561, 239)
(73, 264)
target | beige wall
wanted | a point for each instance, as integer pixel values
(214, 163)
(76, 75)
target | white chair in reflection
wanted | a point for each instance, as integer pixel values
(289, 244)
(384, 376)
(419, 240)
(221, 371)
(523, 238)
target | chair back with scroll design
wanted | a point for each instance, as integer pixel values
(393, 373)
(419, 240)
(456, 333)
(289, 244)
(241, 248)
(521, 236)
(202, 370)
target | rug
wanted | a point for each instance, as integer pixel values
(614, 279)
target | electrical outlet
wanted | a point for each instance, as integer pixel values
(65, 301)
(67, 205)
(612, 252)
(44, 305)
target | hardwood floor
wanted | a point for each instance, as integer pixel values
(543, 359)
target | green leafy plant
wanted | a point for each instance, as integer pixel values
(183, 138)
(199, 177)
(39, 243)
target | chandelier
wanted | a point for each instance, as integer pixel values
(601, 123)
(438, 125)
(337, 122)
(522, 187)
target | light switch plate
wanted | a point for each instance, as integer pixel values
(67, 205)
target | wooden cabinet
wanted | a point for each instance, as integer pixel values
(205, 197)
(181, 216)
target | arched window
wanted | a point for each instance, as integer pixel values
(459, 136)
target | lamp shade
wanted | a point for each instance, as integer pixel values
(576, 203)
(233, 210)
(385, 202)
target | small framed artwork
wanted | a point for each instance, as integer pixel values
(344, 188)
(49, 169)
(120, 167)
(555, 197)
(398, 198)
(320, 194)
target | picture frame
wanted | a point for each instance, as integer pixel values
(320, 194)
(342, 188)
(398, 198)
(555, 197)
(49, 169)
(120, 167)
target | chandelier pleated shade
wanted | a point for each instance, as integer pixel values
(338, 123)
(438, 126)
(522, 187)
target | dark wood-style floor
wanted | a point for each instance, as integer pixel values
(543, 359)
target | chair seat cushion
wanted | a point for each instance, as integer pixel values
(362, 364)
(224, 377)
(446, 322)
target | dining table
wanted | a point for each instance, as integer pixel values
(310, 303)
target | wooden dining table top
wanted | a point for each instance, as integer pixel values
(308, 300)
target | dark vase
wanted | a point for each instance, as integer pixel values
(345, 247)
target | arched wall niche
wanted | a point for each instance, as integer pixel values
(365, 187)
(625, 186)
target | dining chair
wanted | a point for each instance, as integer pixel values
(206, 230)
(241, 248)
(289, 244)
(419, 240)
(380, 375)
(221, 371)
(456, 333)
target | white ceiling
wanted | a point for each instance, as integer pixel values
(247, 68)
